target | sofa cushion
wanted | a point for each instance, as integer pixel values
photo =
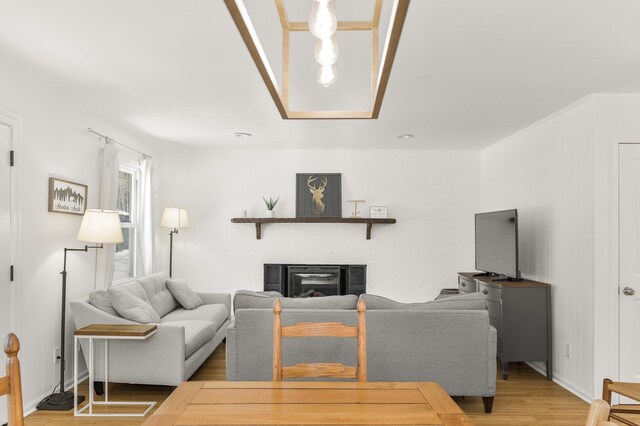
(131, 302)
(348, 301)
(471, 301)
(215, 313)
(196, 334)
(100, 299)
(158, 294)
(184, 294)
(246, 299)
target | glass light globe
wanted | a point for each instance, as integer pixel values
(327, 75)
(327, 51)
(323, 22)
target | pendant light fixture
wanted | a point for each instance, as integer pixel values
(323, 24)
(327, 75)
(327, 51)
(381, 26)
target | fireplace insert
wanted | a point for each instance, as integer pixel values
(315, 280)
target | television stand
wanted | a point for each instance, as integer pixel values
(520, 311)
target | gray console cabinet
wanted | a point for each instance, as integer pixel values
(521, 313)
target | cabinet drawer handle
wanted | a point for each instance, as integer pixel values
(485, 291)
(463, 284)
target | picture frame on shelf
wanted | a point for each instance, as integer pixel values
(318, 195)
(378, 212)
(67, 197)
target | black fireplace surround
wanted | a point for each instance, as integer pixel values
(295, 280)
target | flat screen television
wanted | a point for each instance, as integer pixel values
(497, 243)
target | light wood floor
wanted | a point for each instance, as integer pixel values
(527, 398)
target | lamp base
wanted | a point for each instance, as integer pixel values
(61, 401)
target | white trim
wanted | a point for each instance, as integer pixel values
(14, 122)
(562, 382)
(131, 168)
(31, 406)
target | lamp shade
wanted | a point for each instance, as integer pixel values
(100, 226)
(174, 217)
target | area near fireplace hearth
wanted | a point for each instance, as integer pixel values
(296, 280)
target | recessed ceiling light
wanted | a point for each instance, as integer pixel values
(242, 134)
(405, 136)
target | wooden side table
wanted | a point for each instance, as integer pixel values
(107, 332)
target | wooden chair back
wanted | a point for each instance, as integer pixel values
(627, 389)
(598, 413)
(319, 329)
(10, 384)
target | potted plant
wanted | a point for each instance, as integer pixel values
(271, 204)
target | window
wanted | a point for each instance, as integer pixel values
(125, 257)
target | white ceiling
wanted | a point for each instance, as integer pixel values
(467, 72)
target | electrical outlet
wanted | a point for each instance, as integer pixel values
(56, 355)
(567, 350)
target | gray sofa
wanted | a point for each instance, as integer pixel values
(184, 340)
(448, 341)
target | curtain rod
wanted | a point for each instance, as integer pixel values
(107, 139)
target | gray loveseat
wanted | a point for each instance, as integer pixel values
(184, 340)
(448, 341)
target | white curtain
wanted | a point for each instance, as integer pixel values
(108, 201)
(145, 237)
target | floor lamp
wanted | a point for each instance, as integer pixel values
(98, 227)
(175, 218)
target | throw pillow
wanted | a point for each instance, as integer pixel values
(184, 294)
(471, 301)
(132, 303)
(160, 298)
(100, 299)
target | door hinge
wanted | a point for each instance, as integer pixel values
(11, 273)
(11, 158)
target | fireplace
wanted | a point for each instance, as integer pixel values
(295, 280)
(313, 281)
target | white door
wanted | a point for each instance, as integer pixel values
(629, 262)
(5, 251)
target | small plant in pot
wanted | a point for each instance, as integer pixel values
(271, 204)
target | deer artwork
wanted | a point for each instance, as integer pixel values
(318, 193)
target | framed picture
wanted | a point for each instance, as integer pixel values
(378, 212)
(67, 197)
(318, 195)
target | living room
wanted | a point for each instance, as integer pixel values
(487, 106)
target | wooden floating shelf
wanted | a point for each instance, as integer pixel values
(258, 221)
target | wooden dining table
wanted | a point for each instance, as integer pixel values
(306, 403)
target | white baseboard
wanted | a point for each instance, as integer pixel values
(566, 384)
(31, 406)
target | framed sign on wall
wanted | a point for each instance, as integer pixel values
(378, 212)
(67, 197)
(319, 195)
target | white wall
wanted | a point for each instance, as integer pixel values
(617, 120)
(54, 143)
(546, 172)
(562, 174)
(432, 194)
